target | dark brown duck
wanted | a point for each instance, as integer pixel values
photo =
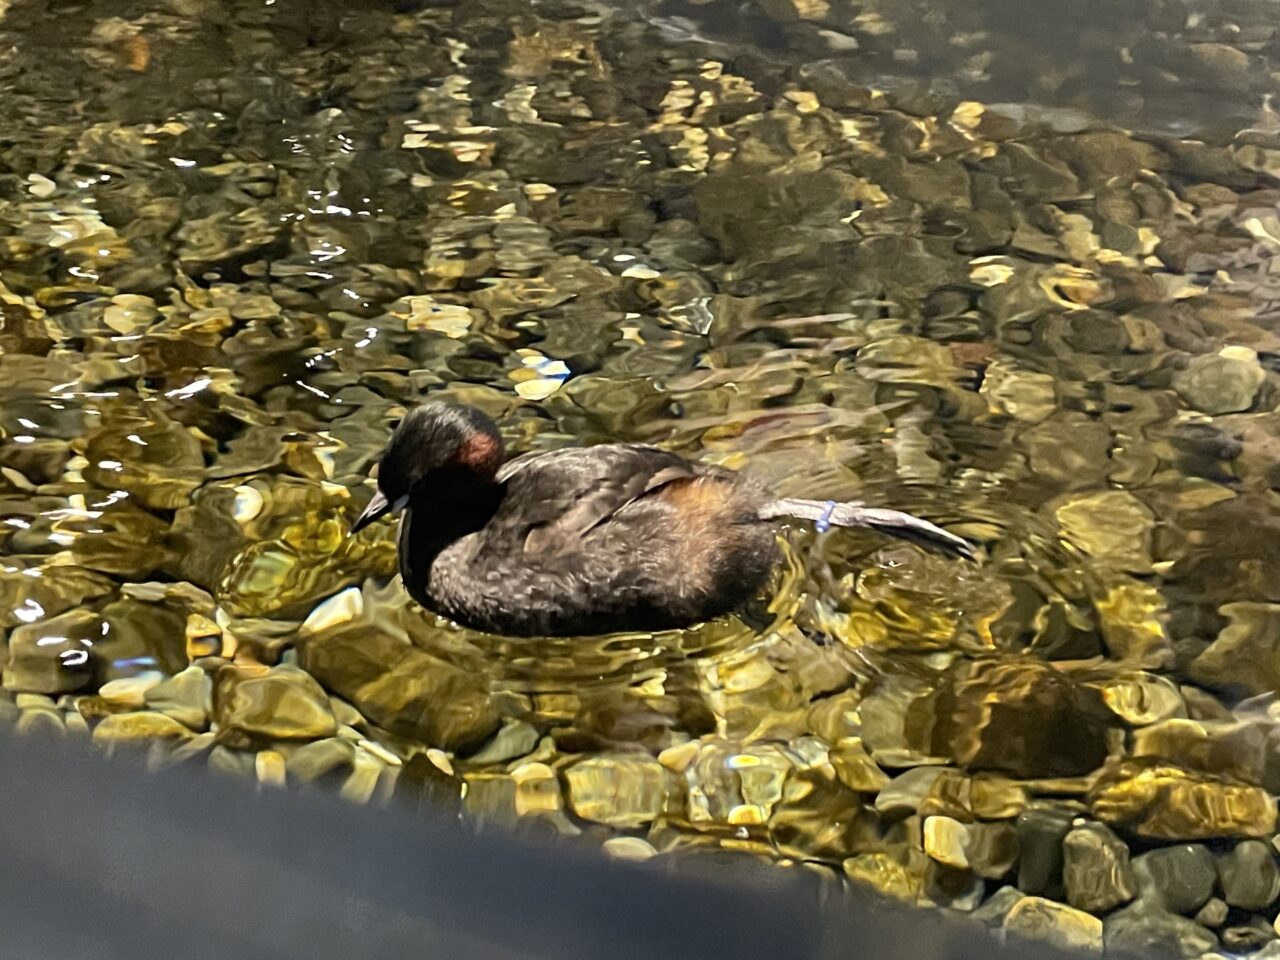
(587, 540)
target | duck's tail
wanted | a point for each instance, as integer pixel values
(830, 513)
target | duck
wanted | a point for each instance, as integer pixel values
(585, 541)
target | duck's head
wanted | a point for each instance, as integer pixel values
(433, 437)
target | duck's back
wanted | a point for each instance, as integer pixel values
(599, 539)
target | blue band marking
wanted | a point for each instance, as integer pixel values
(824, 522)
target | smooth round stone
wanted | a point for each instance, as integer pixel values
(1111, 524)
(284, 704)
(903, 795)
(883, 872)
(1249, 876)
(1246, 654)
(311, 761)
(1020, 717)
(945, 840)
(186, 696)
(629, 848)
(1223, 382)
(1140, 701)
(1056, 923)
(1180, 878)
(1213, 913)
(128, 313)
(419, 696)
(515, 739)
(855, 767)
(129, 692)
(337, 610)
(1041, 832)
(34, 701)
(1247, 937)
(359, 787)
(1146, 929)
(1162, 801)
(1096, 872)
(41, 722)
(1232, 749)
(618, 790)
(992, 849)
(269, 766)
(537, 789)
(52, 656)
(995, 798)
(131, 729)
(997, 906)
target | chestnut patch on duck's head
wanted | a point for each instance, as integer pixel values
(435, 436)
(481, 452)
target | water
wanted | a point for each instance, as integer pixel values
(1009, 268)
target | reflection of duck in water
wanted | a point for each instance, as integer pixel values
(584, 540)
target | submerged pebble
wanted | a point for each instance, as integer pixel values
(282, 703)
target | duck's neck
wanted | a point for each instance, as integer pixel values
(442, 509)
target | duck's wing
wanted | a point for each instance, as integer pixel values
(554, 499)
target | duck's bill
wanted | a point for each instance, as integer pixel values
(378, 507)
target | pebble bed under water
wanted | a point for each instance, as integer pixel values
(821, 240)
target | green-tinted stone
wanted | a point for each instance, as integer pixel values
(1147, 929)
(514, 739)
(1223, 382)
(1055, 923)
(855, 768)
(904, 794)
(623, 791)
(1249, 876)
(1022, 717)
(139, 729)
(1096, 873)
(186, 696)
(402, 688)
(1246, 654)
(54, 655)
(1165, 802)
(1213, 914)
(1235, 750)
(885, 873)
(281, 704)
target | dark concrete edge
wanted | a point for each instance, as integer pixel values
(104, 858)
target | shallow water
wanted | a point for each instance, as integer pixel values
(1012, 270)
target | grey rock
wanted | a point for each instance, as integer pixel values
(1056, 923)
(1041, 831)
(1223, 382)
(186, 697)
(1146, 928)
(283, 703)
(401, 688)
(903, 794)
(1247, 937)
(1096, 873)
(52, 656)
(515, 739)
(314, 760)
(1179, 878)
(997, 907)
(1213, 914)
(1249, 876)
